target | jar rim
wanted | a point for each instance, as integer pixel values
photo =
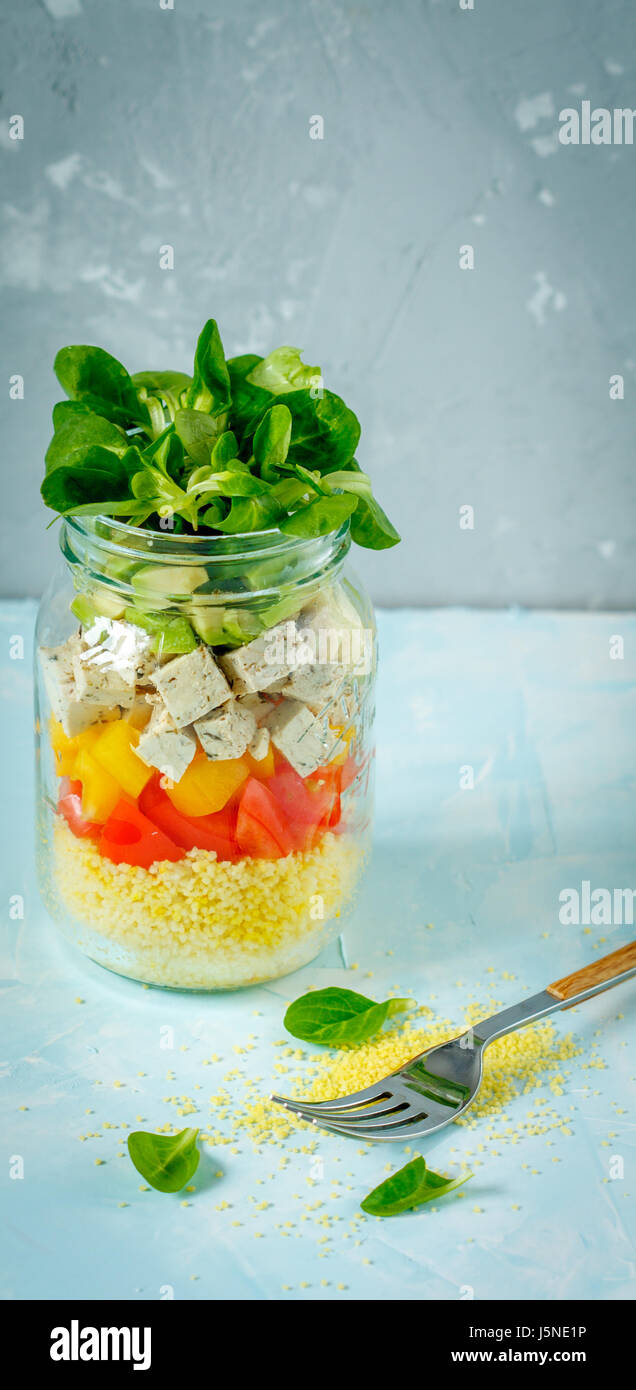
(112, 535)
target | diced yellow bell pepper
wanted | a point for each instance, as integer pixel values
(206, 786)
(261, 767)
(113, 750)
(66, 749)
(346, 737)
(100, 791)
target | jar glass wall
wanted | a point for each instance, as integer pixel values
(205, 756)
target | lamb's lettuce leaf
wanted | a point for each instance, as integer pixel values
(166, 1161)
(197, 432)
(325, 432)
(320, 517)
(283, 371)
(96, 481)
(250, 514)
(210, 390)
(92, 376)
(410, 1187)
(78, 433)
(242, 445)
(248, 401)
(339, 1017)
(271, 441)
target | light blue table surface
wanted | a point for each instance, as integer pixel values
(536, 705)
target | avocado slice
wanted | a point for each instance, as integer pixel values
(84, 610)
(223, 627)
(118, 567)
(286, 607)
(171, 633)
(95, 603)
(169, 579)
(109, 605)
(208, 622)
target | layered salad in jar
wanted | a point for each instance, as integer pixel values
(205, 759)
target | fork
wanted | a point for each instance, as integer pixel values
(435, 1087)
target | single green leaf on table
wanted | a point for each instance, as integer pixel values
(92, 376)
(210, 389)
(198, 433)
(283, 371)
(339, 1017)
(78, 433)
(319, 518)
(166, 1161)
(413, 1185)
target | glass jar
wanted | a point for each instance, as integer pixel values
(204, 750)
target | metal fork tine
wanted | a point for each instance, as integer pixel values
(400, 1132)
(404, 1116)
(393, 1108)
(381, 1107)
(375, 1092)
(353, 1117)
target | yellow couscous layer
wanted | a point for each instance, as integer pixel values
(202, 924)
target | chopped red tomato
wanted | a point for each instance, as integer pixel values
(303, 804)
(254, 840)
(70, 806)
(325, 786)
(262, 828)
(348, 772)
(128, 837)
(215, 831)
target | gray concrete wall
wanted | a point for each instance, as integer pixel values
(487, 387)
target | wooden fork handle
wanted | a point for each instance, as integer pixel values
(598, 972)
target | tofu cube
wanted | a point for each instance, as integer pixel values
(73, 714)
(258, 705)
(100, 685)
(191, 686)
(226, 732)
(260, 664)
(315, 684)
(259, 746)
(165, 747)
(299, 736)
(333, 629)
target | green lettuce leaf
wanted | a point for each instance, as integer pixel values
(410, 1187)
(283, 371)
(339, 1017)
